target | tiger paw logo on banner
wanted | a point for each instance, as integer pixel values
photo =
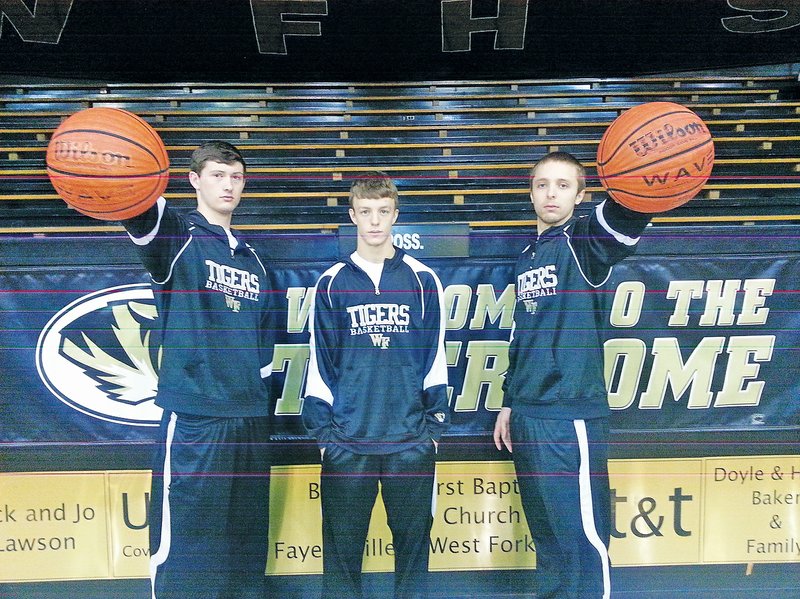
(95, 355)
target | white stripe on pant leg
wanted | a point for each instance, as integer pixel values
(160, 556)
(434, 494)
(587, 508)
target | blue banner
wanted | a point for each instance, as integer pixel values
(695, 343)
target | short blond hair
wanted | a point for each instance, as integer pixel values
(373, 186)
(566, 158)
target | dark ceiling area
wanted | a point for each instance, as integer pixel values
(388, 40)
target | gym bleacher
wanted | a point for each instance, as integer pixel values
(460, 151)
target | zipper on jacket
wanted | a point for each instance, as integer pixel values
(374, 284)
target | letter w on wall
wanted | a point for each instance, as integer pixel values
(43, 26)
(508, 25)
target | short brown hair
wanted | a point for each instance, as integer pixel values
(566, 158)
(373, 186)
(215, 151)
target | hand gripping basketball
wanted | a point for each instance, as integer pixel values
(107, 163)
(655, 157)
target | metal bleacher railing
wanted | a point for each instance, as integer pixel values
(459, 150)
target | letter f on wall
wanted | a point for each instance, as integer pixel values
(272, 28)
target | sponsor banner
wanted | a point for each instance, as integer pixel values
(479, 523)
(422, 241)
(54, 526)
(128, 522)
(295, 521)
(657, 512)
(692, 344)
(765, 493)
(80, 525)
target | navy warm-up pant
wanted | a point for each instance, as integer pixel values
(562, 469)
(349, 487)
(209, 508)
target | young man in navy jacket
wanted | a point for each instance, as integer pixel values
(376, 396)
(555, 404)
(210, 489)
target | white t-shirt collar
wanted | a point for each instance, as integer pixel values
(373, 269)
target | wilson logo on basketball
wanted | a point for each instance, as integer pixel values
(95, 355)
(666, 136)
(85, 152)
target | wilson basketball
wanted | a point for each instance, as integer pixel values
(107, 163)
(655, 157)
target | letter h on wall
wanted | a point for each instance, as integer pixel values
(508, 25)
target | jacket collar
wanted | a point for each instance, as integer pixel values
(198, 220)
(389, 263)
(553, 232)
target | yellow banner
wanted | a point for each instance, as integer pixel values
(53, 526)
(752, 509)
(83, 525)
(129, 502)
(479, 523)
(295, 526)
(656, 509)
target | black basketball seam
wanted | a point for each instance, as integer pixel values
(90, 212)
(670, 157)
(148, 128)
(112, 212)
(627, 137)
(82, 176)
(94, 212)
(109, 134)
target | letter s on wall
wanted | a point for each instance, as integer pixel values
(789, 16)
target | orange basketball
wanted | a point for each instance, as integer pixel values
(655, 157)
(107, 163)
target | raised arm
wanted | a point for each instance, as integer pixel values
(159, 234)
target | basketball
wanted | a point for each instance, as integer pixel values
(655, 157)
(107, 163)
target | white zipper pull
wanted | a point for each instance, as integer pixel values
(377, 291)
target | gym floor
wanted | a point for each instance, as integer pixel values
(765, 581)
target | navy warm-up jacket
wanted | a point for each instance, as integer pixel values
(377, 380)
(217, 321)
(556, 353)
